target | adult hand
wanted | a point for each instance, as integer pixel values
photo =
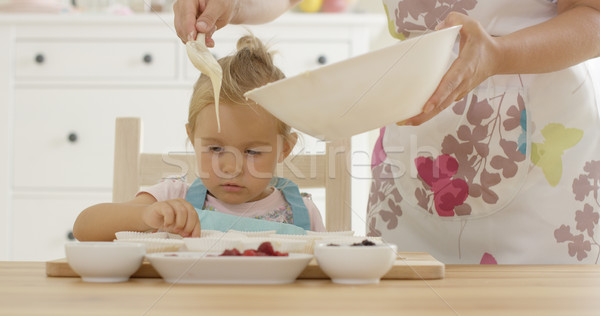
(202, 16)
(174, 216)
(477, 60)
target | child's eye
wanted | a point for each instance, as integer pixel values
(252, 152)
(215, 149)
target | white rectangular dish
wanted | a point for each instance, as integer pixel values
(209, 268)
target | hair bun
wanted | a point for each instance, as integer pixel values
(252, 49)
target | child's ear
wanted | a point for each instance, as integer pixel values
(189, 133)
(288, 145)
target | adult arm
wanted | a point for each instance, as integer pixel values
(206, 16)
(571, 37)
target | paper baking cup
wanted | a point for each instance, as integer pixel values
(309, 239)
(212, 244)
(127, 235)
(158, 244)
(209, 232)
(331, 234)
(174, 236)
(265, 233)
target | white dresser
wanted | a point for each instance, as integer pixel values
(64, 79)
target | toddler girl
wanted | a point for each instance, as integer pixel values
(236, 188)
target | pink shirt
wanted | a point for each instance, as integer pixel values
(273, 207)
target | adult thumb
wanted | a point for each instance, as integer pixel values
(207, 19)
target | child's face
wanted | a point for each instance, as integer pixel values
(237, 164)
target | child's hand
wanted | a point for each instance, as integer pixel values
(174, 216)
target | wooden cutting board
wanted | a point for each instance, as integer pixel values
(408, 266)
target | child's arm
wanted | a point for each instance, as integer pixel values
(102, 221)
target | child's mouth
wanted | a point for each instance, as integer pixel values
(230, 187)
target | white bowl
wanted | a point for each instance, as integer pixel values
(105, 261)
(346, 264)
(361, 93)
(209, 268)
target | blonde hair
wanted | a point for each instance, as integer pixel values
(250, 67)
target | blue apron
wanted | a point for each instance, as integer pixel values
(212, 220)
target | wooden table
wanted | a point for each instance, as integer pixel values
(465, 290)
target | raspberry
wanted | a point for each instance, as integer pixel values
(231, 252)
(250, 253)
(267, 248)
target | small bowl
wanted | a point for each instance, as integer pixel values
(105, 261)
(347, 264)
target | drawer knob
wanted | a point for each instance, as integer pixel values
(322, 60)
(39, 58)
(70, 236)
(72, 137)
(148, 59)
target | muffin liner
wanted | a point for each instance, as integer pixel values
(157, 244)
(174, 236)
(209, 232)
(127, 235)
(265, 233)
(310, 240)
(212, 244)
(330, 234)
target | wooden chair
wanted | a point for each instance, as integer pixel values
(134, 169)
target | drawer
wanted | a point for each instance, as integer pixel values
(296, 57)
(65, 138)
(41, 226)
(291, 57)
(96, 60)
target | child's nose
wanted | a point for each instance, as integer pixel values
(231, 163)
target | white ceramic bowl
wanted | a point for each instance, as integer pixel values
(209, 268)
(105, 261)
(364, 92)
(346, 264)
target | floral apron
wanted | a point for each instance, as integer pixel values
(510, 173)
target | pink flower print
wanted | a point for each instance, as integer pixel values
(589, 182)
(579, 247)
(479, 110)
(488, 259)
(515, 114)
(391, 216)
(508, 164)
(563, 233)
(593, 169)
(582, 187)
(587, 219)
(474, 139)
(459, 107)
(447, 192)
